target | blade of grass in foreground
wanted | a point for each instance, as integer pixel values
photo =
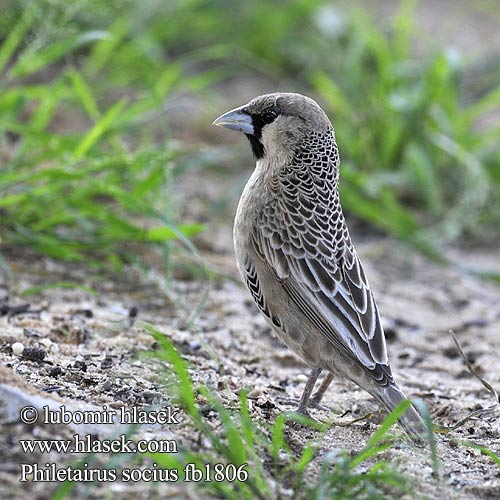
(241, 439)
(230, 447)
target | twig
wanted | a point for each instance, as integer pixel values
(487, 385)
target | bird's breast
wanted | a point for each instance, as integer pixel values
(255, 196)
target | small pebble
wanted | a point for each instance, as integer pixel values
(46, 342)
(80, 365)
(107, 385)
(55, 371)
(34, 354)
(17, 348)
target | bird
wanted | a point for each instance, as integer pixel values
(295, 254)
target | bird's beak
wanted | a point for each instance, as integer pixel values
(236, 119)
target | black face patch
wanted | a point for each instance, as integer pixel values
(259, 120)
(256, 145)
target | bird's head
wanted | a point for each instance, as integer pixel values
(276, 124)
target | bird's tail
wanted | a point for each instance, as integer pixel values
(410, 421)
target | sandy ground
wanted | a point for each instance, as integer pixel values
(85, 351)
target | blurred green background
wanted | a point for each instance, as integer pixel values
(92, 135)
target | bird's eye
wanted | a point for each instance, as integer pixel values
(269, 115)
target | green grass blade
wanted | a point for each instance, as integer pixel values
(84, 94)
(32, 61)
(15, 38)
(107, 121)
(185, 391)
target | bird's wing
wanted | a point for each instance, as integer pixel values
(309, 250)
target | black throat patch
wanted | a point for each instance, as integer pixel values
(260, 120)
(257, 147)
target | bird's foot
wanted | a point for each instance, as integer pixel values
(301, 418)
(316, 404)
(302, 410)
(298, 408)
(289, 401)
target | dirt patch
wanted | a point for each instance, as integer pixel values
(87, 350)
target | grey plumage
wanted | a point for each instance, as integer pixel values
(295, 254)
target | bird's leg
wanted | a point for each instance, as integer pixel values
(318, 395)
(308, 388)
